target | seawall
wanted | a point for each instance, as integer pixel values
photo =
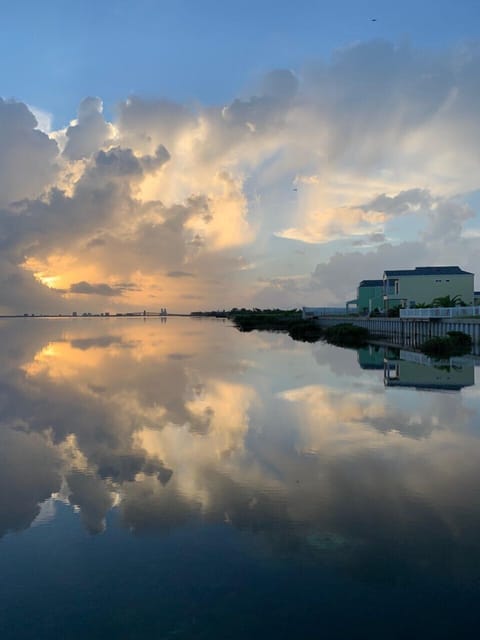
(408, 332)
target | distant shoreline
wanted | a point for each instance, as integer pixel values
(96, 315)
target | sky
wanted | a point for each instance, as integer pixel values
(200, 155)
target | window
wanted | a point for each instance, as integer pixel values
(396, 287)
(437, 280)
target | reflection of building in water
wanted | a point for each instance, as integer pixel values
(371, 357)
(416, 370)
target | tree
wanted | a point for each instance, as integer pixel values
(448, 301)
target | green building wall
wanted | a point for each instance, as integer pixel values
(369, 298)
(418, 289)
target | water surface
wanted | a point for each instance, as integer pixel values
(180, 479)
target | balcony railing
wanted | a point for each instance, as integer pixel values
(441, 312)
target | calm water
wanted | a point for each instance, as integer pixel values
(180, 479)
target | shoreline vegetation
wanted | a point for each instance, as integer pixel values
(344, 334)
(291, 322)
(455, 343)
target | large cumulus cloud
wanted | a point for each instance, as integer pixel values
(89, 133)
(346, 151)
(27, 155)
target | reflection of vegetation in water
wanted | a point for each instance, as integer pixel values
(347, 335)
(291, 322)
(455, 343)
(266, 320)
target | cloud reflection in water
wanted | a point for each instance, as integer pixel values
(192, 421)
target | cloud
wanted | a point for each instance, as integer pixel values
(27, 155)
(89, 133)
(202, 445)
(29, 473)
(145, 124)
(117, 163)
(446, 221)
(403, 203)
(338, 277)
(98, 289)
(378, 145)
(330, 224)
(98, 342)
(371, 239)
(180, 274)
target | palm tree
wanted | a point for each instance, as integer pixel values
(448, 301)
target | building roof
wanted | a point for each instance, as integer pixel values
(371, 283)
(427, 271)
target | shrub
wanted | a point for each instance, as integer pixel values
(394, 312)
(347, 335)
(460, 339)
(455, 343)
(305, 331)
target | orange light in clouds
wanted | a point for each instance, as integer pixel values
(50, 271)
(52, 282)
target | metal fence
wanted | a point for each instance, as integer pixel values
(441, 312)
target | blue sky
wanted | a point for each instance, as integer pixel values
(212, 154)
(54, 53)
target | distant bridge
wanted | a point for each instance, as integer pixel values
(162, 312)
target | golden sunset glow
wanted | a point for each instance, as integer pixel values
(263, 201)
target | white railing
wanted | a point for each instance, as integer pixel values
(441, 312)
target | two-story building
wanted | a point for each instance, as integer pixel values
(408, 287)
(369, 297)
